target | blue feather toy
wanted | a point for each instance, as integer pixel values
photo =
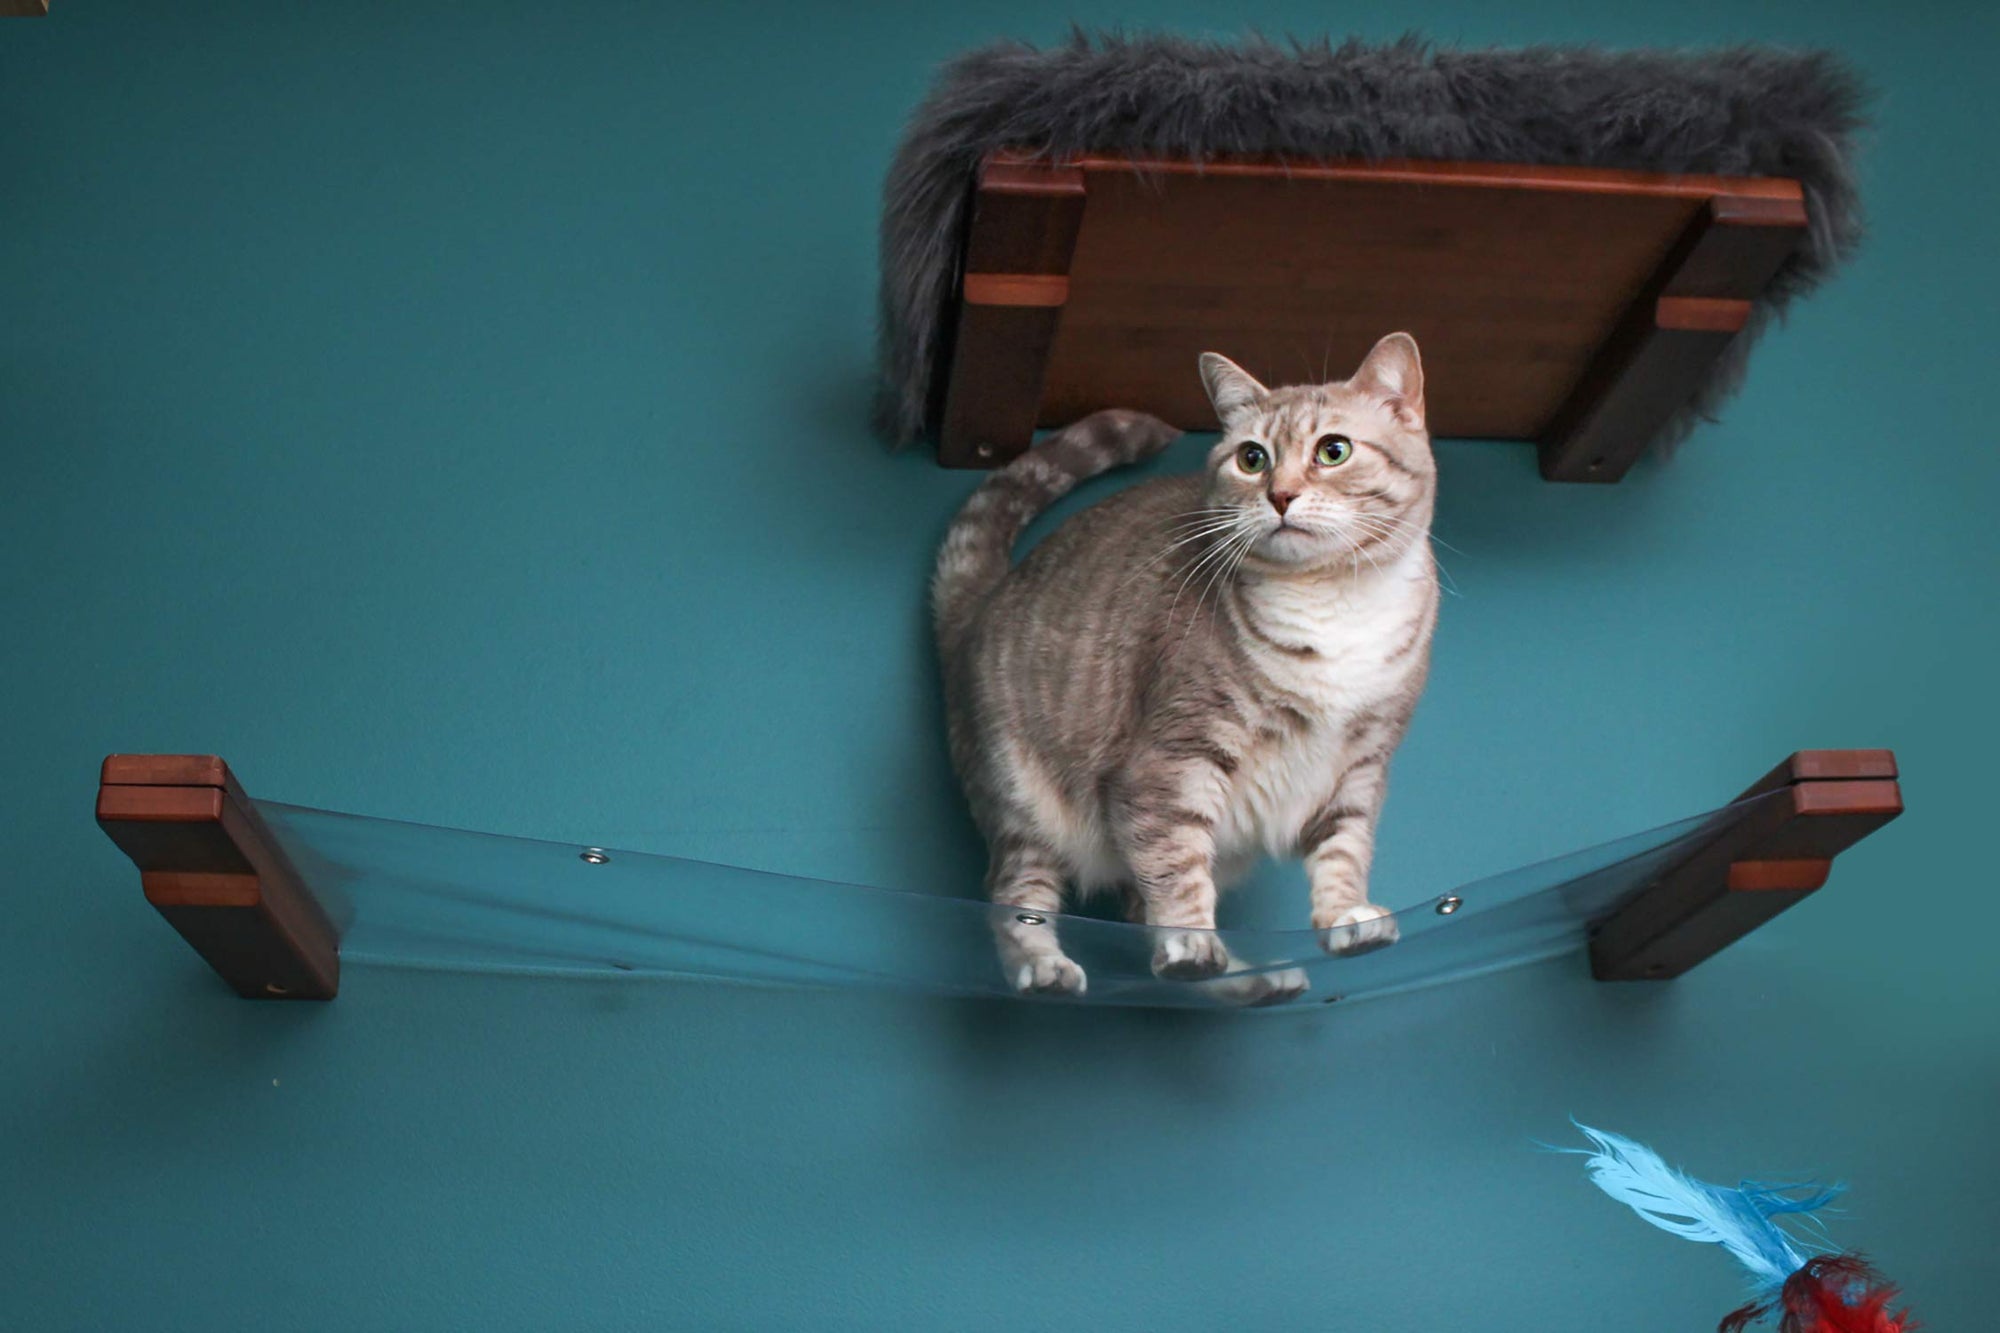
(1814, 1289)
(1740, 1220)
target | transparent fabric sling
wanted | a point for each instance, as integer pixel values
(415, 896)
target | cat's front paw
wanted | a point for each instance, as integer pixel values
(1051, 974)
(1190, 955)
(1357, 930)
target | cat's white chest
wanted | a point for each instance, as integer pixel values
(1358, 635)
(1347, 654)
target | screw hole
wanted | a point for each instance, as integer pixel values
(596, 856)
(1656, 969)
(1596, 465)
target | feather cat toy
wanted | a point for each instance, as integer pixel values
(1810, 1288)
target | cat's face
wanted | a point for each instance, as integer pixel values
(1315, 475)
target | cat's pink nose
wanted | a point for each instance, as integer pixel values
(1282, 500)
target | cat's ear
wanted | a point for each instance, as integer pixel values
(1230, 388)
(1393, 374)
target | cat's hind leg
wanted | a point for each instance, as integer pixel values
(1025, 883)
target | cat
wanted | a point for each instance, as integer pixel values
(1198, 669)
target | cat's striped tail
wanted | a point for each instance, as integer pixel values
(980, 546)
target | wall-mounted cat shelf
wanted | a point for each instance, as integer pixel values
(1584, 243)
(1576, 308)
(275, 897)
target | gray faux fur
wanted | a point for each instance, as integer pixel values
(1745, 111)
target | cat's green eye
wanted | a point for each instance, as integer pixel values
(1253, 458)
(1333, 450)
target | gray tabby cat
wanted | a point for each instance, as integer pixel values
(1198, 669)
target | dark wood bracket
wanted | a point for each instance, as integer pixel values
(1025, 216)
(23, 9)
(1695, 305)
(1824, 802)
(210, 866)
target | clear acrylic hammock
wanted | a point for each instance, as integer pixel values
(409, 895)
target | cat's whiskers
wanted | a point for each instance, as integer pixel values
(1228, 566)
(1198, 515)
(1239, 547)
(1210, 530)
(1241, 556)
(1371, 535)
(1212, 526)
(1446, 582)
(1213, 560)
(1215, 552)
(1419, 527)
(1398, 521)
(1357, 552)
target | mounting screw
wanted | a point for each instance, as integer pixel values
(273, 988)
(1031, 919)
(983, 450)
(1449, 904)
(596, 856)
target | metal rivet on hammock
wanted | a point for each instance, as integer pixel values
(1030, 919)
(1449, 904)
(596, 856)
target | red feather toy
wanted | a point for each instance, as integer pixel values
(1833, 1293)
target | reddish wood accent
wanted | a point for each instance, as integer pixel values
(1826, 766)
(1016, 289)
(165, 770)
(210, 866)
(1025, 216)
(1573, 306)
(1802, 873)
(1811, 808)
(1778, 192)
(1700, 314)
(1697, 301)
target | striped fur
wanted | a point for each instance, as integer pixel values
(1198, 670)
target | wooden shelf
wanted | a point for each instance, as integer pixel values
(1576, 308)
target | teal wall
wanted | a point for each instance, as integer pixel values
(455, 412)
